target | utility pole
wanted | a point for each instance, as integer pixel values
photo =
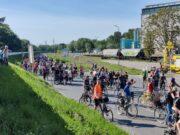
(117, 27)
(54, 47)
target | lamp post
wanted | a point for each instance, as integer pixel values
(117, 27)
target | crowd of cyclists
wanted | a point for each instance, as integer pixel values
(99, 81)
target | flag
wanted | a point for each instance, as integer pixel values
(2, 19)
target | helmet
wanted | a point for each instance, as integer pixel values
(172, 79)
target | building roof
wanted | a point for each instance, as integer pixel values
(163, 5)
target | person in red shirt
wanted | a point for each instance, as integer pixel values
(150, 88)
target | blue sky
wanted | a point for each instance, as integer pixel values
(42, 21)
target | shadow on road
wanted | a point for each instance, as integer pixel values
(136, 125)
(76, 84)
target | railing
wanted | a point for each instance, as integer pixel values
(17, 53)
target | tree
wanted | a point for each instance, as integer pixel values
(129, 34)
(8, 37)
(24, 44)
(71, 46)
(149, 43)
(89, 46)
(165, 26)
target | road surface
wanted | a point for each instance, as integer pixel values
(144, 124)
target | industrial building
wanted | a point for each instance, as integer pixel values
(131, 47)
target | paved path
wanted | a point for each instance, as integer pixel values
(133, 64)
(144, 124)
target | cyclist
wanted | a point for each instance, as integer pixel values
(169, 104)
(111, 78)
(126, 76)
(156, 79)
(122, 81)
(173, 84)
(145, 75)
(177, 110)
(162, 80)
(127, 91)
(87, 86)
(150, 88)
(97, 94)
(81, 71)
(44, 70)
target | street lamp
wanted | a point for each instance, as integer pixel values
(118, 50)
(116, 27)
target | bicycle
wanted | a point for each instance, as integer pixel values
(106, 112)
(160, 113)
(145, 100)
(124, 106)
(86, 98)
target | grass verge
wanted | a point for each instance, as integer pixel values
(31, 106)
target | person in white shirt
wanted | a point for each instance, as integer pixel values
(5, 54)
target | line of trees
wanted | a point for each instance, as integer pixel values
(8, 37)
(111, 42)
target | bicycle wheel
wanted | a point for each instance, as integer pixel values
(120, 108)
(159, 114)
(85, 100)
(132, 111)
(140, 100)
(108, 114)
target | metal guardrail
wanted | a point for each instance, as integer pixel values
(17, 53)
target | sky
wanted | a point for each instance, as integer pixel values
(42, 21)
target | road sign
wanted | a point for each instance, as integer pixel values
(169, 45)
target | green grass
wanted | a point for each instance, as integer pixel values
(16, 59)
(22, 111)
(28, 105)
(87, 61)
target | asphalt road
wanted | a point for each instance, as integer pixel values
(144, 124)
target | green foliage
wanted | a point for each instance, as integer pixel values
(50, 48)
(8, 37)
(87, 45)
(149, 44)
(87, 61)
(44, 111)
(129, 34)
